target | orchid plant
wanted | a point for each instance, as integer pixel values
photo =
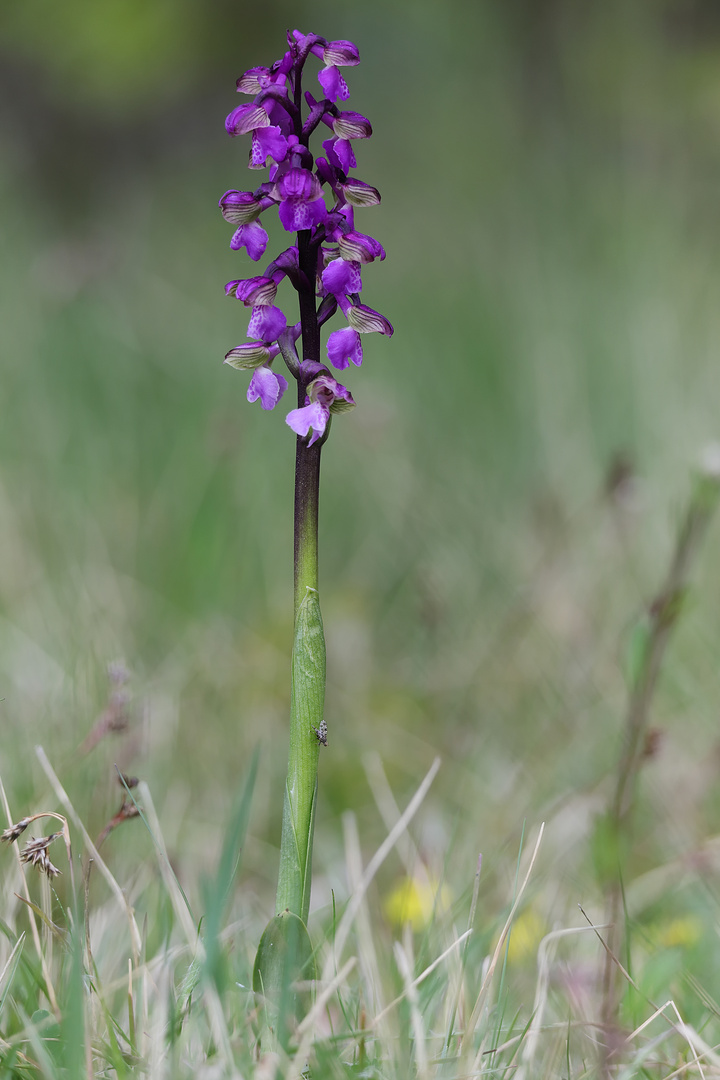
(316, 200)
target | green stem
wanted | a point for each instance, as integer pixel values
(308, 658)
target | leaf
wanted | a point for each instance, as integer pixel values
(284, 959)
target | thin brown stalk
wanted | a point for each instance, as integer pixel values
(661, 619)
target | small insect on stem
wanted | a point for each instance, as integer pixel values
(321, 732)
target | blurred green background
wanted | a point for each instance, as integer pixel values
(494, 514)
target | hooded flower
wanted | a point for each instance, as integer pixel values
(324, 397)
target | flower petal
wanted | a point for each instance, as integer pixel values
(343, 346)
(358, 247)
(240, 207)
(315, 416)
(333, 84)
(246, 118)
(358, 193)
(341, 52)
(248, 356)
(351, 125)
(253, 292)
(296, 215)
(252, 237)
(340, 154)
(267, 386)
(366, 321)
(266, 322)
(341, 277)
(267, 142)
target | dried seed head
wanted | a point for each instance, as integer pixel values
(127, 810)
(35, 853)
(16, 830)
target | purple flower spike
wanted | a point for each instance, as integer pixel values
(324, 263)
(267, 386)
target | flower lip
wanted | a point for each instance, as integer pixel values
(268, 386)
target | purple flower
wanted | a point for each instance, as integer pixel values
(324, 397)
(301, 203)
(268, 386)
(335, 55)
